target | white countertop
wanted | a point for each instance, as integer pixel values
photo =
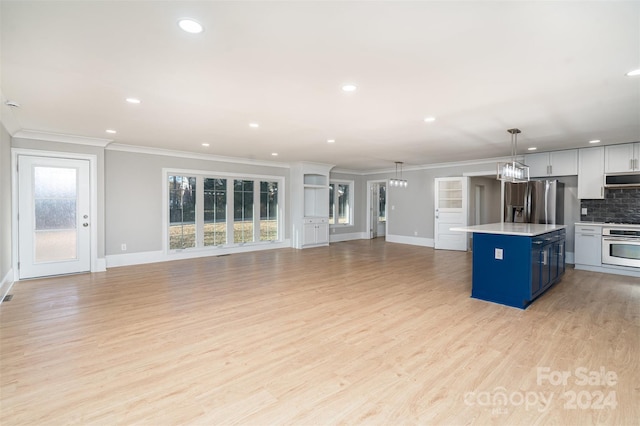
(509, 228)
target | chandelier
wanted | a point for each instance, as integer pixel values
(398, 181)
(513, 171)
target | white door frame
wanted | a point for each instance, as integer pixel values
(369, 183)
(93, 202)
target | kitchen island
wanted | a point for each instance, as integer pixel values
(514, 263)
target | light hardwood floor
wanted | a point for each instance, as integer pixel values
(362, 332)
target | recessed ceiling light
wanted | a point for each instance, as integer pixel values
(205, 144)
(349, 88)
(531, 148)
(429, 119)
(190, 26)
(111, 131)
(275, 154)
(133, 100)
(254, 125)
(633, 73)
(595, 141)
(331, 141)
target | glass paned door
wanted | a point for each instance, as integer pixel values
(53, 226)
(450, 211)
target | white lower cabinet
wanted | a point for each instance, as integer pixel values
(315, 232)
(588, 245)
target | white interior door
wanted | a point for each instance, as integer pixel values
(54, 234)
(450, 211)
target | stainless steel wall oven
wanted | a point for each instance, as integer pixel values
(621, 246)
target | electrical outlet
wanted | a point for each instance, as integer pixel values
(584, 211)
(415, 233)
(498, 254)
(123, 247)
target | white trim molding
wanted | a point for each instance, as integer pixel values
(58, 137)
(6, 284)
(336, 238)
(193, 155)
(414, 241)
(129, 259)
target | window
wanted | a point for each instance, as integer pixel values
(182, 212)
(341, 203)
(215, 212)
(268, 211)
(209, 211)
(242, 211)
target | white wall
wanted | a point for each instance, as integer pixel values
(5, 205)
(134, 188)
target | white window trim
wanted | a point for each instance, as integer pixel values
(352, 186)
(201, 174)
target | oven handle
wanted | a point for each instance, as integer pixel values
(637, 240)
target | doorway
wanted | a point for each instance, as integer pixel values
(377, 202)
(54, 216)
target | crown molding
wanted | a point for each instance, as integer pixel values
(59, 137)
(192, 155)
(428, 166)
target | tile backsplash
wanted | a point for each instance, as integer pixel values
(619, 205)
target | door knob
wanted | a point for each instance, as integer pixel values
(85, 224)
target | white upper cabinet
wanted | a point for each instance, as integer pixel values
(555, 163)
(622, 158)
(591, 173)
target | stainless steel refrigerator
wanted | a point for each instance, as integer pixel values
(536, 201)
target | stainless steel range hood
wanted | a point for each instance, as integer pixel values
(622, 180)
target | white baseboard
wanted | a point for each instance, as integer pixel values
(336, 238)
(414, 241)
(129, 259)
(617, 270)
(6, 284)
(100, 266)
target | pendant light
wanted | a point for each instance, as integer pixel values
(513, 171)
(398, 181)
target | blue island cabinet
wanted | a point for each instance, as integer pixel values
(514, 269)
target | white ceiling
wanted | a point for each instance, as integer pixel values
(556, 70)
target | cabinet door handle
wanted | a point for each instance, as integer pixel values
(544, 257)
(550, 169)
(602, 191)
(631, 164)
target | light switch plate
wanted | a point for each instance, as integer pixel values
(498, 254)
